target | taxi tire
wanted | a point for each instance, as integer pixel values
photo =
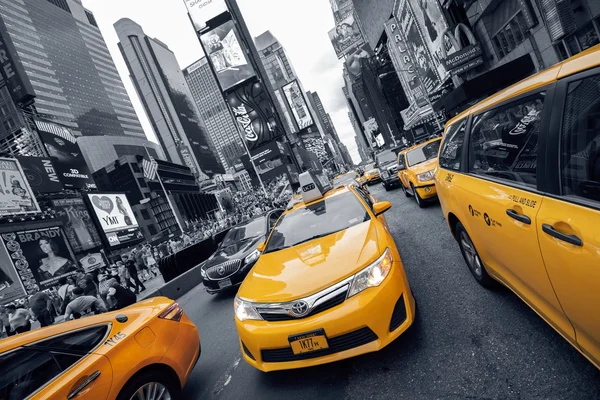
(147, 376)
(484, 279)
(420, 201)
(404, 190)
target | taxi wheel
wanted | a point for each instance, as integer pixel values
(472, 258)
(404, 190)
(418, 198)
(150, 385)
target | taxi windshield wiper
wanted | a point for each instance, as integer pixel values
(302, 241)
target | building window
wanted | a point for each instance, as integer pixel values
(142, 182)
(135, 168)
(61, 4)
(91, 18)
(584, 38)
(152, 229)
(511, 35)
(145, 214)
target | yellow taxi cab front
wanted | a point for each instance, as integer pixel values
(149, 347)
(329, 285)
(416, 166)
(519, 185)
(372, 176)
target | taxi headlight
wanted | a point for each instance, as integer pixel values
(425, 176)
(245, 311)
(250, 258)
(373, 275)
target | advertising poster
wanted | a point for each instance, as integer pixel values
(16, 196)
(345, 36)
(115, 217)
(41, 174)
(92, 262)
(418, 50)
(353, 61)
(255, 113)
(297, 103)
(432, 24)
(40, 256)
(229, 60)
(68, 159)
(11, 287)
(201, 11)
(79, 226)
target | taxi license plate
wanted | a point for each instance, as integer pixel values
(224, 283)
(307, 342)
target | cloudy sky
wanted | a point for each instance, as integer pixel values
(301, 27)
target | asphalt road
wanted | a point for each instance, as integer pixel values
(468, 342)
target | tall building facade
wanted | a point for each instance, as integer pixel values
(167, 100)
(74, 78)
(214, 112)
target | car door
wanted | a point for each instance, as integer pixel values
(60, 367)
(569, 218)
(501, 198)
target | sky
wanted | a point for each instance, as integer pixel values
(300, 26)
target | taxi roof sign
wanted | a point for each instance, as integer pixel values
(312, 187)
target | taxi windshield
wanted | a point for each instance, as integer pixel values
(423, 153)
(254, 228)
(345, 178)
(316, 220)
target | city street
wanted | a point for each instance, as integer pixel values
(468, 342)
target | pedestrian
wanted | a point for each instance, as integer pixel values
(41, 307)
(64, 292)
(124, 277)
(106, 282)
(91, 288)
(4, 323)
(82, 305)
(121, 297)
(133, 273)
(18, 319)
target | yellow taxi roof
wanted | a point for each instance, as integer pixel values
(586, 59)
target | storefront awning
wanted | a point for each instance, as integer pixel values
(485, 85)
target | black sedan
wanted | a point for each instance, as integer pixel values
(237, 253)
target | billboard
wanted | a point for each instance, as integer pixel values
(115, 217)
(255, 113)
(345, 36)
(40, 256)
(222, 45)
(79, 227)
(16, 196)
(92, 262)
(201, 11)
(11, 287)
(297, 103)
(72, 169)
(12, 71)
(353, 61)
(41, 174)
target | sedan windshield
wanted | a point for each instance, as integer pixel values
(254, 228)
(423, 153)
(317, 220)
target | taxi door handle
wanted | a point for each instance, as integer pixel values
(85, 383)
(519, 217)
(572, 239)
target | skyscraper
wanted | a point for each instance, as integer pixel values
(214, 111)
(74, 77)
(167, 99)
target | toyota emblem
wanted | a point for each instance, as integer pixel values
(221, 271)
(299, 308)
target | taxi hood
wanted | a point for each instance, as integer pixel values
(424, 166)
(312, 266)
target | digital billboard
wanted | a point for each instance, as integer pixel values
(115, 218)
(297, 103)
(11, 287)
(201, 11)
(79, 226)
(16, 196)
(41, 174)
(222, 45)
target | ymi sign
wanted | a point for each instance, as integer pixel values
(115, 217)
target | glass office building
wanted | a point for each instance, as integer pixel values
(74, 77)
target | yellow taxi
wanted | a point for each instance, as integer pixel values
(415, 171)
(519, 185)
(329, 284)
(147, 349)
(372, 176)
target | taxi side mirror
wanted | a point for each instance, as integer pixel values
(261, 247)
(381, 207)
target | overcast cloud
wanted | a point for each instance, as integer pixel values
(300, 26)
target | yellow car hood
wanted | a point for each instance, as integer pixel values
(425, 166)
(312, 266)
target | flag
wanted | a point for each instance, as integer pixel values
(150, 169)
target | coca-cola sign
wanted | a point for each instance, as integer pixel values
(255, 114)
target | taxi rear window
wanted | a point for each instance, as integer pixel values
(316, 220)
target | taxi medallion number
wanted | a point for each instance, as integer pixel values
(307, 342)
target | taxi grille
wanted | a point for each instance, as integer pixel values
(337, 344)
(334, 301)
(398, 315)
(223, 270)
